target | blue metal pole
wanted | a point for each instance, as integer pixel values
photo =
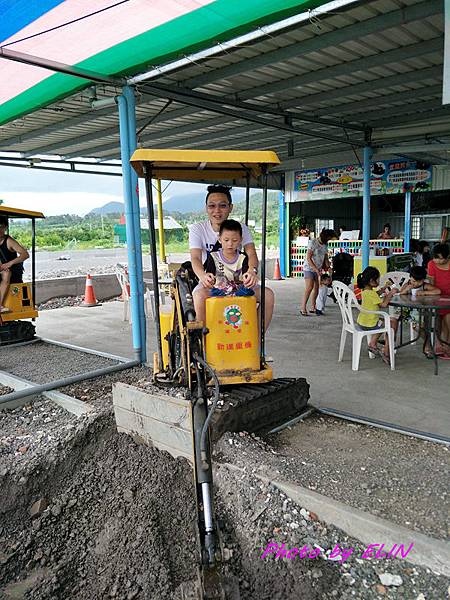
(130, 226)
(366, 208)
(407, 235)
(128, 93)
(282, 216)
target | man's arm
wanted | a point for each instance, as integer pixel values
(250, 278)
(250, 251)
(21, 251)
(207, 279)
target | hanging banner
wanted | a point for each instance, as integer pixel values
(387, 177)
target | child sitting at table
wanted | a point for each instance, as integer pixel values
(368, 281)
(417, 286)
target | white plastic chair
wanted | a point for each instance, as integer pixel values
(398, 279)
(347, 302)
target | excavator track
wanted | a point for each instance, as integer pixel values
(260, 407)
(15, 332)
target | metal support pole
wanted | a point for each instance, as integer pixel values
(407, 235)
(162, 249)
(152, 236)
(287, 232)
(262, 304)
(247, 197)
(136, 328)
(282, 236)
(366, 208)
(128, 93)
(33, 260)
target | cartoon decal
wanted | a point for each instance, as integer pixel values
(233, 316)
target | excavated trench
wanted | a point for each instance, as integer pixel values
(104, 517)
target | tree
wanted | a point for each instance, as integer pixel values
(2, 201)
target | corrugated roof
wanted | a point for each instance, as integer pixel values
(302, 92)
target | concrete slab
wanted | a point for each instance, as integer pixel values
(410, 396)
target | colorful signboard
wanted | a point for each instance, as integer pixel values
(387, 177)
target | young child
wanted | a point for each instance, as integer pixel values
(367, 281)
(227, 264)
(325, 282)
(416, 286)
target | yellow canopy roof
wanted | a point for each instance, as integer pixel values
(20, 213)
(202, 165)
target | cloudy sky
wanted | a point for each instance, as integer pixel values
(61, 193)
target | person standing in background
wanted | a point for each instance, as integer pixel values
(316, 260)
(386, 234)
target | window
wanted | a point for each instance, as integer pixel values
(415, 228)
(432, 228)
(323, 224)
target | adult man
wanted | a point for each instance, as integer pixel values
(12, 255)
(203, 238)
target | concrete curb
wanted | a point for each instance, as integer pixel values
(73, 405)
(427, 551)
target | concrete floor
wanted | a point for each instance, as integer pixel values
(410, 396)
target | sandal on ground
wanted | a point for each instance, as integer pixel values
(374, 351)
(3, 309)
(428, 354)
(385, 358)
(304, 313)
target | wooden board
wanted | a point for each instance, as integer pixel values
(159, 420)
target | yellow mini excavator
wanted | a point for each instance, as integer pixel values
(15, 325)
(220, 362)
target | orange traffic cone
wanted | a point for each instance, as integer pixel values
(89, 294)
(276, 271)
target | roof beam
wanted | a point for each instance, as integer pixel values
(324, 40)
(257, 108)
(156, 135)
(399, 149)
(53, 65)
(352, 107)
(55, 128)
(92, 115)
(207, 105)
(352, 66)
(434, 72)
(88, 137)
(414, 109)
(415, 118)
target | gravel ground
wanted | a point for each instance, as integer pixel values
(67, 301)
(29, 433)
(109, 524)
(41, 362)
(348, 462)
(257, 514)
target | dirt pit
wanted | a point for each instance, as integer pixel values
(104, 518)
(86, 512)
